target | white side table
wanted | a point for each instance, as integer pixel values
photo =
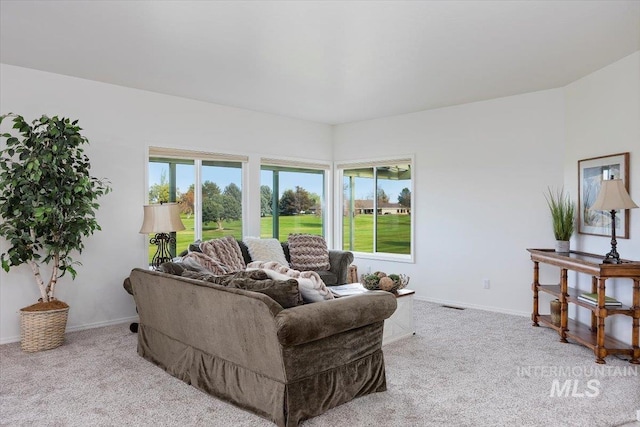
(400, 324)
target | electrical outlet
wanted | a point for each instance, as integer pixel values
(486, 283)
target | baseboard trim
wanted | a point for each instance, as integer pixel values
(474, 306)
(122, 320)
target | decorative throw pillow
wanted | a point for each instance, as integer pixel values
(308, 252)
(226, 251)
(284, 292)
(265, 250)
(311, 286)
(197, 261)
(175, 268)
(200, 275)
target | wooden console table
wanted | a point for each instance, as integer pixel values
(593, 337)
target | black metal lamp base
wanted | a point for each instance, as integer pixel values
(162, 255)
(612, 257)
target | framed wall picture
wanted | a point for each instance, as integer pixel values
(591, 172)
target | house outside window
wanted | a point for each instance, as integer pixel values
(206, 186)
(377, 215)
(292, 198)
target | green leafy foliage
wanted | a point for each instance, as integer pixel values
(404, 198)
(265, 201)
(294, 202)
(160, 192)
(47, 196)
(220, 207)
(562, 214)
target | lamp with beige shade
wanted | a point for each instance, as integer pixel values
(613, 196)
(162, 219)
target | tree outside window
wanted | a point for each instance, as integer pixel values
(291, 201)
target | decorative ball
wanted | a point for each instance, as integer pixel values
(380, 274)
(386, 284)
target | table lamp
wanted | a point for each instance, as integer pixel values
(612, 197)
(161, 219)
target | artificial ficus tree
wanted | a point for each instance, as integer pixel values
(47, 197)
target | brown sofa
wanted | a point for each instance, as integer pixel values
(285, 365)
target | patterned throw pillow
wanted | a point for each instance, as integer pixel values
(308, 252)
(201, 263)
(226, 251)
(266, 250)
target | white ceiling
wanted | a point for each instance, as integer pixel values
(326, 61)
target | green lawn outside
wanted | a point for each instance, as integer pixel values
(394, 234)
(307, 224)
(394, 231)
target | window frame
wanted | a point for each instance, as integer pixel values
(339, 168)
(197, 159)
(301, 165)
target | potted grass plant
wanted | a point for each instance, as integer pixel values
(47, 205)
(562, 210)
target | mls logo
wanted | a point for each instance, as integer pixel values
(573, 388)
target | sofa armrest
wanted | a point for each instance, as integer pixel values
(310, 322)
(339, 262)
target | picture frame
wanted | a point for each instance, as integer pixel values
(591, 172)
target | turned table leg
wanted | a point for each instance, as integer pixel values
(564, 309)
(635, 329)
(534, 288)
(601, 313)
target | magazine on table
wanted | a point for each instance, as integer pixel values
(592, 298)
(348, 289)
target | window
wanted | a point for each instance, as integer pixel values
(376, 207)
(208, 188)
(292, 199)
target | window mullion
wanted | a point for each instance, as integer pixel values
(352, 211)
(275, 211)
(197, 190)
(375, 210)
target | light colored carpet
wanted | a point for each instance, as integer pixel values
(463, 368)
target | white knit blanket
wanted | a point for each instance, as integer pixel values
(311, 286)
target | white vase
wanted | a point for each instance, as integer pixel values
(562, 246)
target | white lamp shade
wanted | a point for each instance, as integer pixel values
(164, 218)
(613, 196)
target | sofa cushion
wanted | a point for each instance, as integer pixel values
(328, 277)
(266, 250)
(226, 251)
(308, 252)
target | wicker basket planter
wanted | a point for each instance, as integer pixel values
(42, 330)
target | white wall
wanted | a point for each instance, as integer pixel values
(481, 171)
(480, 176)
(603, 118)
(120, 123)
